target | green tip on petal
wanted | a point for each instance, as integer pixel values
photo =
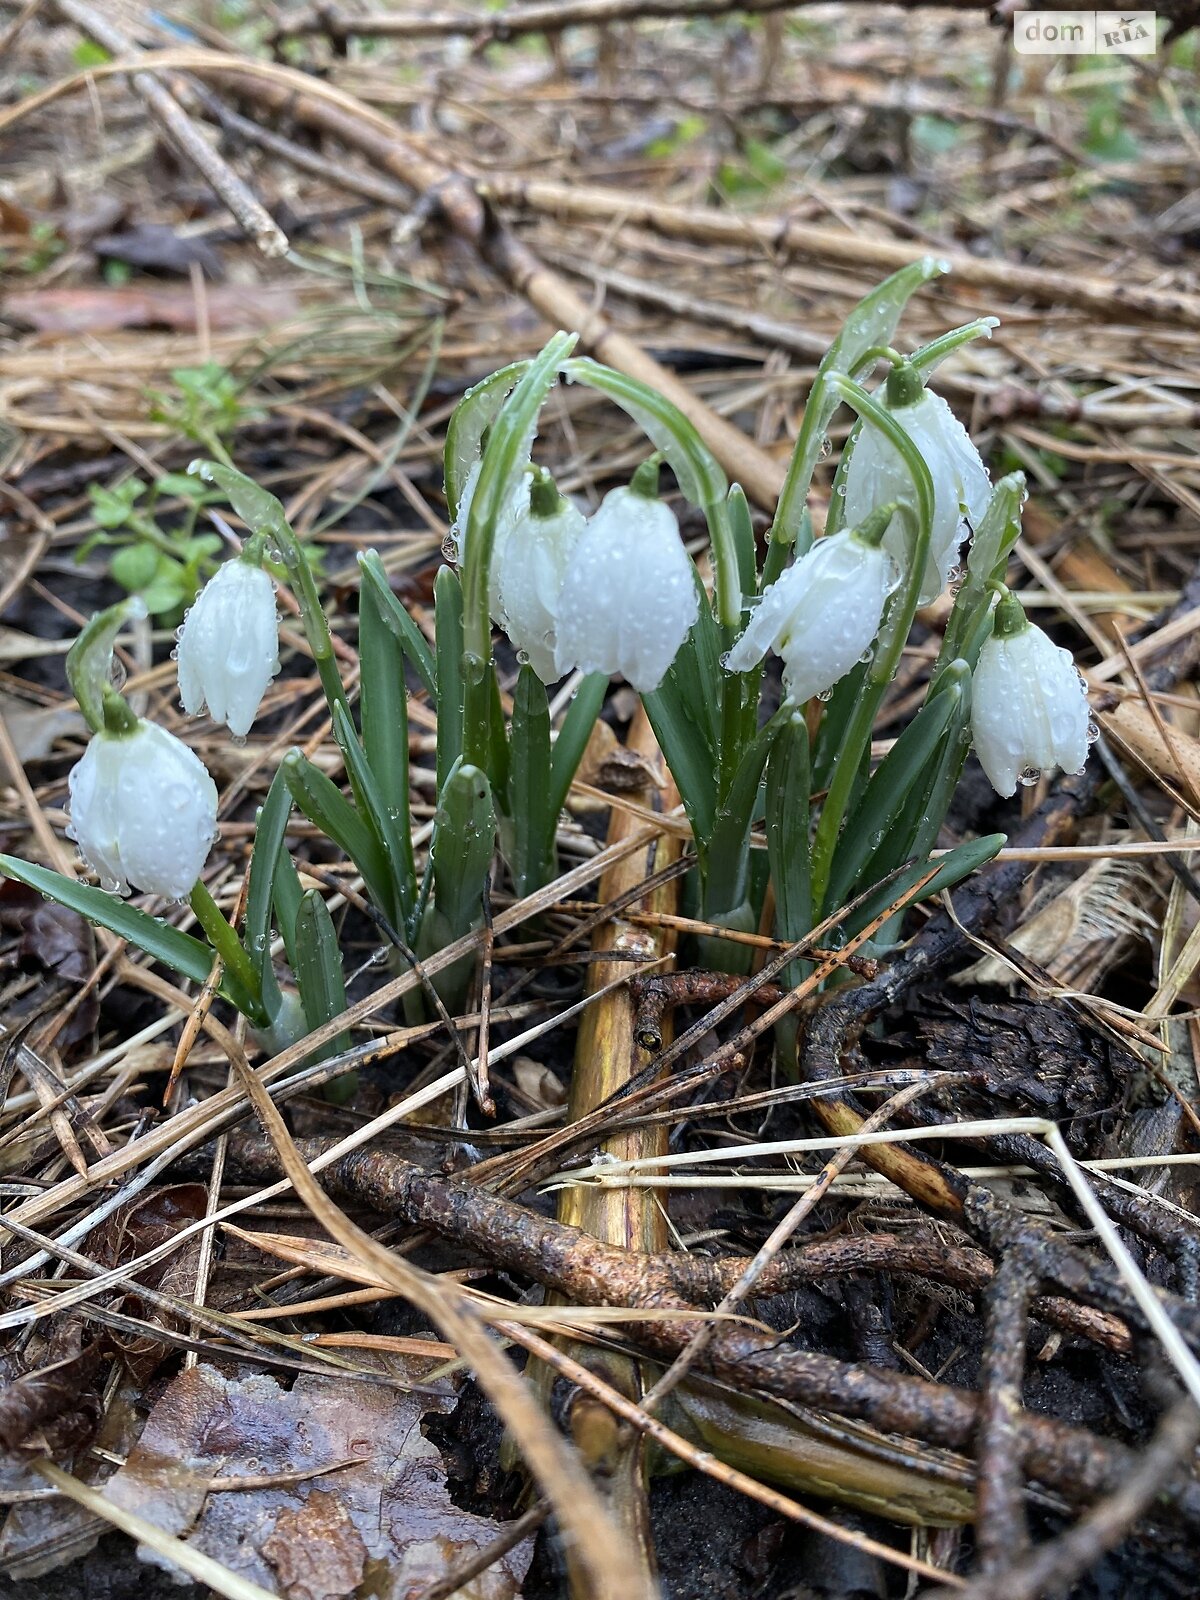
(1010, 618)
(645, 479)
(872, 528)
(544, 498)
(904, 386)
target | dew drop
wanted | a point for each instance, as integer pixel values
(1093, 731)
(866, 656)
(825, 695)
(826, 448)
(450, 546)
(1028, 776)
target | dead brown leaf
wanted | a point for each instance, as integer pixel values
(136, 1229)
(384, 1526)
(68, 311)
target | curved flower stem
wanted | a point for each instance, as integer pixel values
(89, 660)
(312, 614)
(238, 966)
(895, 631)
(507, 449)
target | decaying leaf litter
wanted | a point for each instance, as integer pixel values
(946, 1361)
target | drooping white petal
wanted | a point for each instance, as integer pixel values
(143, 811)
(1029, 710)
(527, 577)
(820, 616)
(961, 486)
(512, 511)
(629, 597)
(769, 618)
(228, 649)
(92, 785)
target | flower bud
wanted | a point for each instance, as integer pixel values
(629, 599)
(143, 811)
(527, 575)
(961, 487)
(1029, 709)
(229, 646)
(821, 614)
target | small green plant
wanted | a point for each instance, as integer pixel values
(164, 568)
(590, 596)
(205, 406)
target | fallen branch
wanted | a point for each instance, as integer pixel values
(250, 215)
(1075, 1463)
(803, 240)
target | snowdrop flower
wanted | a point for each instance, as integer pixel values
(143, 808)
(515, 508)
(229, 646)
(1029, 709)
(528, 570)
(824, 611)
(961, 487)
(629, 597)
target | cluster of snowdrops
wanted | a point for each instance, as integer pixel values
(788, 803)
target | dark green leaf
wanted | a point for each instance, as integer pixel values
(875, 819)
(447, 604)
(787, 812)
(323, 803)
(383, 708)
(573, 735)
(397, 620)
(463, 847)
(319, 971)
(533, 818)
(952, 868)
(388, 822)
(179, 951)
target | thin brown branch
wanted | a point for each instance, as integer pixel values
(803, 240)
(247, 211)
(1001, 1533)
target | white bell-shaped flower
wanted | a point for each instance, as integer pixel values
(823, 612)
(143, 811)
(528, 570)
(513, 510)
(629, 597)
(1029, 709)
(961, 486)
(229, 646)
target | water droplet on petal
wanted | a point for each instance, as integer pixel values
(1028, 776)
(1093, 731)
